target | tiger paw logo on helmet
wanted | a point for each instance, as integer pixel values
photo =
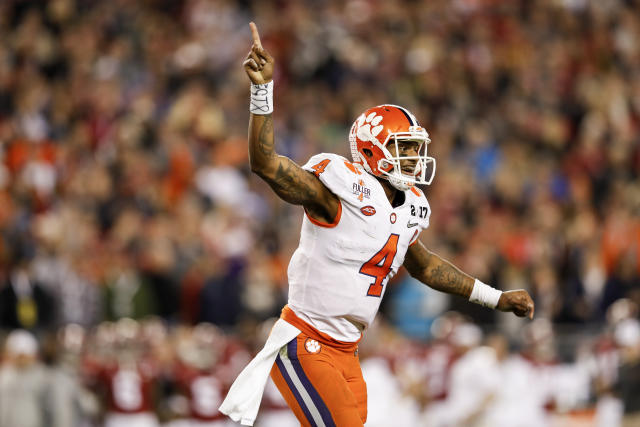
(365, 131)
(375, 130)
(312, 346)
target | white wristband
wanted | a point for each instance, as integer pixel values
(484, 294)
(261, 98)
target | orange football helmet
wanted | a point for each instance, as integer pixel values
(379, 126)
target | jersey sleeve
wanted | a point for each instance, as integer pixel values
(420, 212)
(336, 173)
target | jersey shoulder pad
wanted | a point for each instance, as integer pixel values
(335, 172)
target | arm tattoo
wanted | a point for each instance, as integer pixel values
(290, 183)
(436, 272)
(265, 137)
(446, 277)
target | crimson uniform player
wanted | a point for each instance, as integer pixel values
(362, 222)
(428, 371)
(204, 363)
(127, 379)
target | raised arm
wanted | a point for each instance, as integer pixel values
(289, 181)
(441, 275)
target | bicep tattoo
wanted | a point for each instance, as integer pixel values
(292, 183)
(289, 181)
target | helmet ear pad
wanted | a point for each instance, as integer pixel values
(374, 160)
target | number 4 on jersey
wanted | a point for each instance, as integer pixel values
(318, 168)
(374, 268)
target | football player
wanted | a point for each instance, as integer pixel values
(126, 378)
(362, 221)
(198, 360)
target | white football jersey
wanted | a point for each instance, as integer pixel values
(339, 272)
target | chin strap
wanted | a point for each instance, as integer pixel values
(398, 184)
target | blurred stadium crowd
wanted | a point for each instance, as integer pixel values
(125, 192)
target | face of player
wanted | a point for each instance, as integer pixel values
(407, 150)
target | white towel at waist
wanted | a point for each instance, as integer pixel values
(243, 400)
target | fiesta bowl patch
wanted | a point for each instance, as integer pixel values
(368, 210)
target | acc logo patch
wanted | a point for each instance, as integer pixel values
(393, 217)
(368, 210)
(312, 346)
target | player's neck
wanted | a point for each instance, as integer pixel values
(394, 196)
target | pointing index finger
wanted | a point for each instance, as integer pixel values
(255, 35)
